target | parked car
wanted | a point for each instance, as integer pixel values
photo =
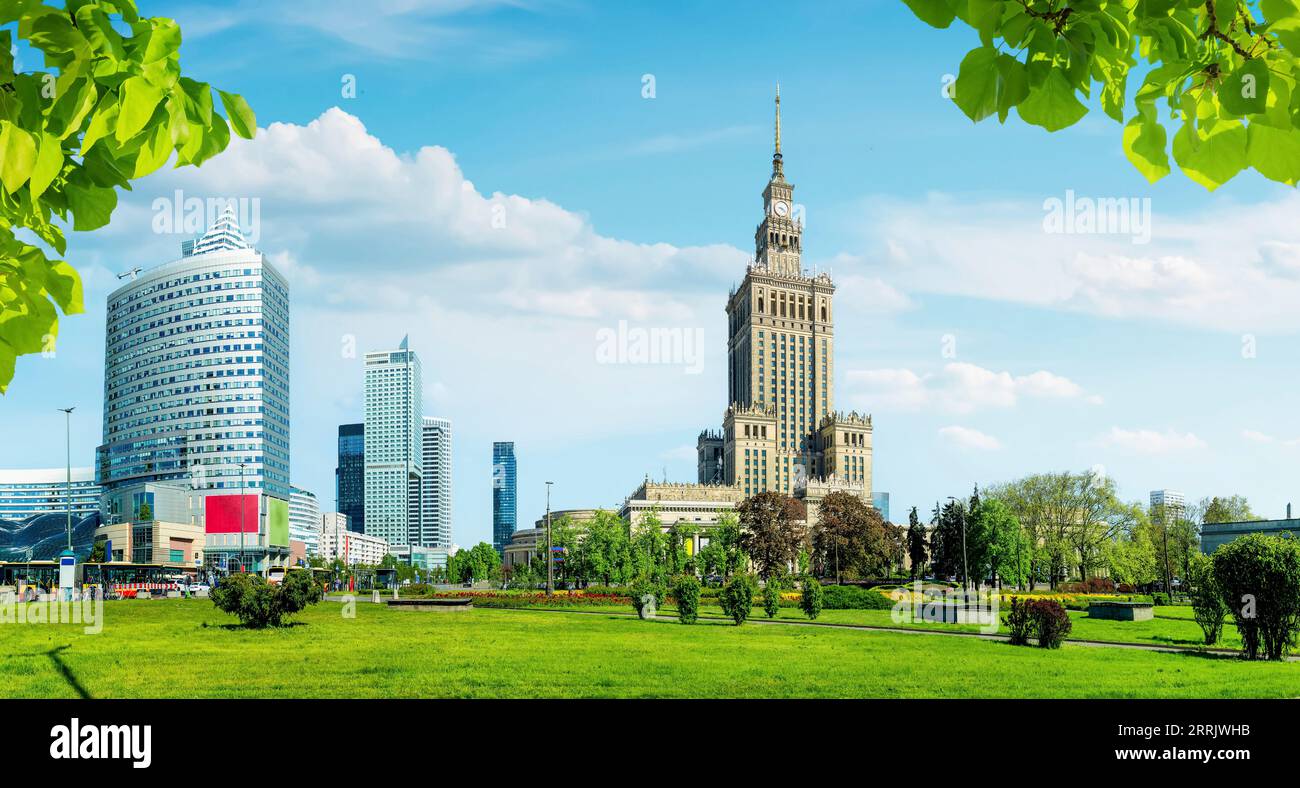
(195, 588)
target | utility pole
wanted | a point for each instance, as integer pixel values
(965, 568)
(67, 414)
(550, 562)
(241, 517)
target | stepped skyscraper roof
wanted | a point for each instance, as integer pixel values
(224, 234)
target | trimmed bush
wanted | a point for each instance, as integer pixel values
(1159, 599)
(643, 586)
(1052, 623)
(259, 604)
(1207, 598)
(687, 592)
(737, 598)
(1042, 619)
(1019, 622)
(854, 598)
(1259, 579)
(772, 598)
(812, 598)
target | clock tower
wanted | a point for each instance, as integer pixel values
(778, 241)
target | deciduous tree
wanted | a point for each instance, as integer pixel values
(109, 106)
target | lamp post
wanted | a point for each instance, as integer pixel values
(241, 517)
(550, 561)
(965, 568)
(67, 420)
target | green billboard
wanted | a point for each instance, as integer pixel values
(277, 522)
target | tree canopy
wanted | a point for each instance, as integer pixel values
(1225, 71)
(110, 106)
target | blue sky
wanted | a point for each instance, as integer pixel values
(1071, 351)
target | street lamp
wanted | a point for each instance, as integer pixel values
(965, 569)
(550, 562)
(241, 517)
(67, 420)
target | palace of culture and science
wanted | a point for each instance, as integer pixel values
(780, 431)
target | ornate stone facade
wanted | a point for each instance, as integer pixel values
(780, 430)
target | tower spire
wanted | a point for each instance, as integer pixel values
(776, 156)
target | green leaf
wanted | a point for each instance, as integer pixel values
(137, 101)
(1052, 104)
(155, 151)
(976, 91)
(1212, 155)
(164, 41)
(91, 205)
(64, 286)
(1245, 91)
(1274, 152)
(1013, 85)
(102, 123)
(935, 13)
(1144, 145)
(49, 162)
(241, 115)
(17, 156)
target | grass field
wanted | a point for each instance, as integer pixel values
(186, 648)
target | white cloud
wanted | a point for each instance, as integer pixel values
(1231, 268)
(1144, 441)
(1259, 437)
(959, 387)
(967, 438)
(503, 295)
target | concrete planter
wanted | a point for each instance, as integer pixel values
(1121, 611)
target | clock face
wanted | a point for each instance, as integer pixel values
(781, 208)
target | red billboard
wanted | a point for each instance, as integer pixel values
(221, 514)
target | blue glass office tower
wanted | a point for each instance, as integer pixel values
(350, 476)
(196, 371)
(503, 494)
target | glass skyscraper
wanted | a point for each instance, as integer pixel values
(350, 476)
(503, 494)
(196, 371)
(394, 446)
(435, 494)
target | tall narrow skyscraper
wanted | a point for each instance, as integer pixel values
(781, 431)
(393, 445)
(503, 494)
(196, 371)
(435, 498)
(350, 476)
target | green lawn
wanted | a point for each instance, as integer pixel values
(1172, 626)
(186, 648)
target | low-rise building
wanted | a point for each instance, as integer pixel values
(524, 544)
(153, 523)
(337, 542)
(28, 493)
(1215, 535)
